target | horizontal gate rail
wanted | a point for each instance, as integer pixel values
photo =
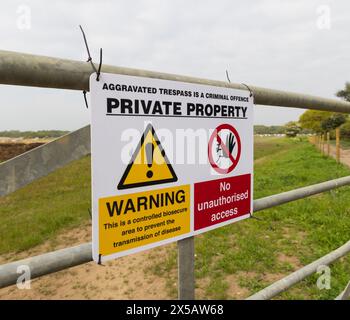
(66, 258)
(39, 71)
(46, 263)
(288, 196)
(38, 162)
(297, 276)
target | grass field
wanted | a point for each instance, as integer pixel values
(259, 252)
(254, 252)
(40, 210)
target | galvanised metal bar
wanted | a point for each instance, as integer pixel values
(186, 269)
(297, 276)
(70, 257)
(345, 294)
(281, 198)
(39, 71)
(46, 263)
(36, 163)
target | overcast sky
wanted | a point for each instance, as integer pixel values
(296, 45)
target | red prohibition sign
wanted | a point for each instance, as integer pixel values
(234, 161)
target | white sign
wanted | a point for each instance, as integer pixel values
(169, 160)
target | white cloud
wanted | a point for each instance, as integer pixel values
(268, 43)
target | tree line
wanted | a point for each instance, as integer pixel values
(258, 129)
(311, 121)
(32, 134)
(314, 121)
(321, 122)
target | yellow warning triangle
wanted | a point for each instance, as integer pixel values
(149, 164)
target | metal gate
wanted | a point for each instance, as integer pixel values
(38, 71)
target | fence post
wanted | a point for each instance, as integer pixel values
(337, 143)
(323, 143)
(328, 146)
(319, 142)
(186, 269)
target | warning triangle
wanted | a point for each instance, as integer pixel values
(149, 164)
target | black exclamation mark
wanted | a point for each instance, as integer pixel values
(149, 156)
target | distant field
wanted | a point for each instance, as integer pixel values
(253, 253)
(265, 146)
(9, 150)
(32, 134)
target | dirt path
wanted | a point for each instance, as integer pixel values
(125, 278)
(344, 154)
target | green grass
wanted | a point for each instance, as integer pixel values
(303, 230)
(249, 250)
(40, 210)
(264, 146)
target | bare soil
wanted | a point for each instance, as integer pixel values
(130, 277)
(9, 150)
(125, 278)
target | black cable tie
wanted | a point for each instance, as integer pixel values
(90, 213)
(228, 78)
(86, 103)
(87, 49)
(86, 45)
(99, 66)
(250, 91)
(99, 259)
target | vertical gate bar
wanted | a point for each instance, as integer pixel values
(186, 269)
(328, 142)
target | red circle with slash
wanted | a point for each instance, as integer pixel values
(215, 135)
